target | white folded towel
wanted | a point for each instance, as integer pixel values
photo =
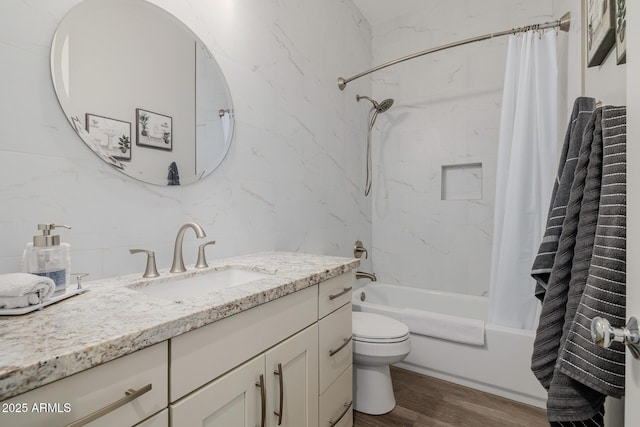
(451, 328)
(23, 289)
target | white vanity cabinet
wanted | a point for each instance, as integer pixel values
(291, 356)
(276, 388)
(283, 334)
(335, 352)
(122, 392)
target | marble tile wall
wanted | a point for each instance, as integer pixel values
(447, 111)
(293, 179)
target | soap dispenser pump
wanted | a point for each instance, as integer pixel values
(46, 256)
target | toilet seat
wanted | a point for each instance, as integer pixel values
(374, 328)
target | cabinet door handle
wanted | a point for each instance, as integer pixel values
(347, 407)
(339, 294)
(131, 395)
(263, 400)
(280, 375)
(344, 344)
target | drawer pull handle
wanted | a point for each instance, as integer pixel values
(347, 407)
(263, 400)
(280, 375)
(339, 294)
(131, 395)
(344, 344)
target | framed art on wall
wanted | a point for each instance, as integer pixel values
(111, 135)
(153, 130)
(601, 24)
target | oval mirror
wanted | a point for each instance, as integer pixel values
(142, 91)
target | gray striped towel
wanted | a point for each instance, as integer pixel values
(602, 369)
(552, 316)
(543, 263)
(561, 330)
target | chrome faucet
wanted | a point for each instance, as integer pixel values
(365, 275)
(178, 262)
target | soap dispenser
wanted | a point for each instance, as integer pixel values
(46, 256)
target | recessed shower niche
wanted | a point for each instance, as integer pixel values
(461, 181)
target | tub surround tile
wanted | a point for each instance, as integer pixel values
(447, 112)
(112, 320)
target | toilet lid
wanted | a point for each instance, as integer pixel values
(376, 328)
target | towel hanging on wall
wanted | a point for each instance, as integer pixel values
(582, 109)
(588, 263)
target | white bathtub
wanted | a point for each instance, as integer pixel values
(500, 367)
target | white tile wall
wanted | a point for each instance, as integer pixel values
(461, 182)
(293, 179)
(447, 111)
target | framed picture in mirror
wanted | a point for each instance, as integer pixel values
(111, 135)
(600, 30)
(153, 130)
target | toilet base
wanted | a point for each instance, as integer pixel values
(373, 391)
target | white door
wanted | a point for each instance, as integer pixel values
(632, 385)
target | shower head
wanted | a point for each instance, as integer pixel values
(380, 107)
(384, 105)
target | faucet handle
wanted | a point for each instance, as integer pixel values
(79, 277)
(202, 259)
(359, 249)
(150, 270)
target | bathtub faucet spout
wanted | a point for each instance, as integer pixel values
(364, 275)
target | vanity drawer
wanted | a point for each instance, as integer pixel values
(204, 354)
(334, 293)
(70, 399)
(336, 404)
(335, 347)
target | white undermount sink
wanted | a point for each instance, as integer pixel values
(180, 288)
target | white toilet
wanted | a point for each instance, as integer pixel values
(378, 341)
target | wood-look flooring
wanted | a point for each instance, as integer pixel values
(429, 402)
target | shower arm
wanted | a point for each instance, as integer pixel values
(563, 24)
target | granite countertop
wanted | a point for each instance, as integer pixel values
(112, 319)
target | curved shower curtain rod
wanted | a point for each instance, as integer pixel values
(563, 23)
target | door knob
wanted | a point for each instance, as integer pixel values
(603, 334)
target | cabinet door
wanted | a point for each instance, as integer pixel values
(232, 400)
(292, 381)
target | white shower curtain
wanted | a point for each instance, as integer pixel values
(526, 170)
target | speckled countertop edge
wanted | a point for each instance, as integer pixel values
(113, 319)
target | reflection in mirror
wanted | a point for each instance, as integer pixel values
(142, 91)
